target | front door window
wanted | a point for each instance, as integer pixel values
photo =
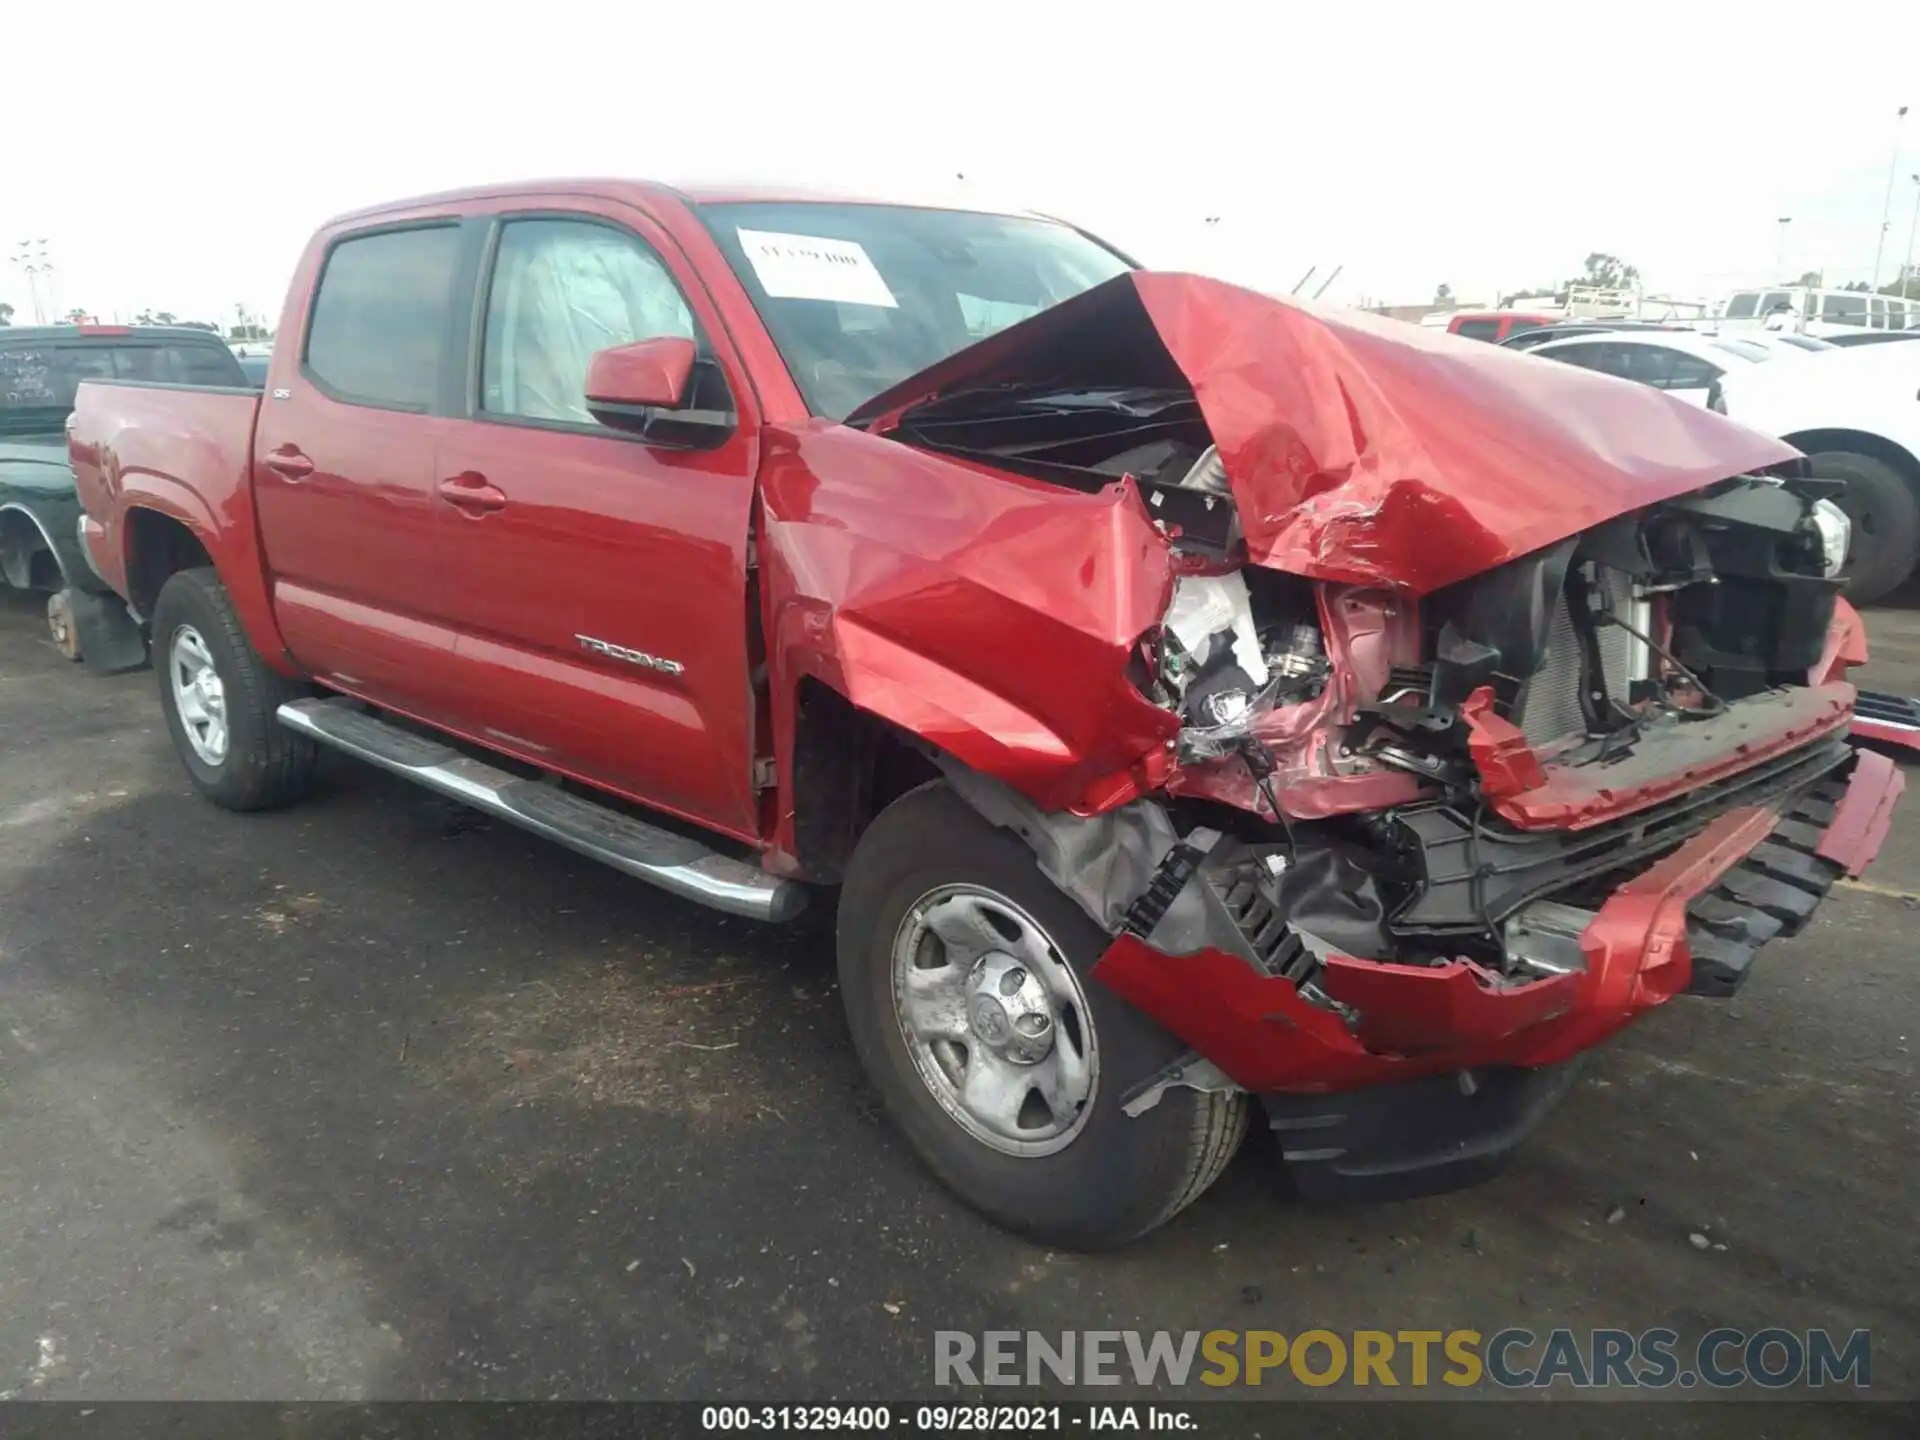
(562, 291)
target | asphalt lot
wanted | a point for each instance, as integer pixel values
(374, 1099)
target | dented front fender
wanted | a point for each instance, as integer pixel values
(991, 616)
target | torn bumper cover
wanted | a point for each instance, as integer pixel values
(1480, 1055)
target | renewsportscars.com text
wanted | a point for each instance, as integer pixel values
(1721, 1359)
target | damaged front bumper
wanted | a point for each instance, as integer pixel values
(1888, 719)
(1465, 1060)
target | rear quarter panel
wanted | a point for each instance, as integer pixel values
(186, 453)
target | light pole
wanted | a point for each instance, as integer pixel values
(1886, 210)
(1906, 271)
(1780, 255)
(33, 259)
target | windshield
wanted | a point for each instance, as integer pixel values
(1745, 349)
(1742, 306)
(38, 378)
(859, 297)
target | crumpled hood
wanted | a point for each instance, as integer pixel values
(1362, 449)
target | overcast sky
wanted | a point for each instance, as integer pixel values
(175, 156)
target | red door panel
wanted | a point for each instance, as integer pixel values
(352, 545)
(597, 586)
(603, 539)
(343, 464)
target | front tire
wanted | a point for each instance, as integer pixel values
(965, 976)
(1885, 515)
(220, 700)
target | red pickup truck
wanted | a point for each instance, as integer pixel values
(1495, 326)
(1194, 698)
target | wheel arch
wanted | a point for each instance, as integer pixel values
(1859, 442)
(159, 537)
(848, 765)
(26, 550)
(919, 718)
(1886, 543)
(158, 546)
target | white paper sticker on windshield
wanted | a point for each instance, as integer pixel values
(807, 267)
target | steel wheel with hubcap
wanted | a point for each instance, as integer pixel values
(966, 977)
(994, 1019)
(198, 695)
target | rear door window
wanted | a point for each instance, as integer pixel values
(1647, 364)
(377, 334)
(1666, 369)
(1688, 372)
(1592, 355)
(187, 364)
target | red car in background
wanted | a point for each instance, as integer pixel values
(1495, 325)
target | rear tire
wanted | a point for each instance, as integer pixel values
(220, 698)
(1092, 1177)
(1886, 522)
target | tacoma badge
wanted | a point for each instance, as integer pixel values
(632, 657)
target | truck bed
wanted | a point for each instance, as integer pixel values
(188, 447)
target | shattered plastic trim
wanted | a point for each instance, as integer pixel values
(1100, 862)
(1415, 1021)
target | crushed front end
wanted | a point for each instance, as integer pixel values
(1429, 854)
(1507, 704)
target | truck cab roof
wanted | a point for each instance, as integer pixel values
(29, 334)
(691, 192)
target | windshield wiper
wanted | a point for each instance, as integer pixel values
(1137, 401)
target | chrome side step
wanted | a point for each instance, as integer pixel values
(673, 862)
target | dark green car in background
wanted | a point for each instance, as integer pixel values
(40, 368)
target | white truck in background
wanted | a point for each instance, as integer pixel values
(1821, 313)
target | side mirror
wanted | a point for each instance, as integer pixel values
(646, 375)
(654, 388)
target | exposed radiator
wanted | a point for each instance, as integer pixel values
(1551, 708)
